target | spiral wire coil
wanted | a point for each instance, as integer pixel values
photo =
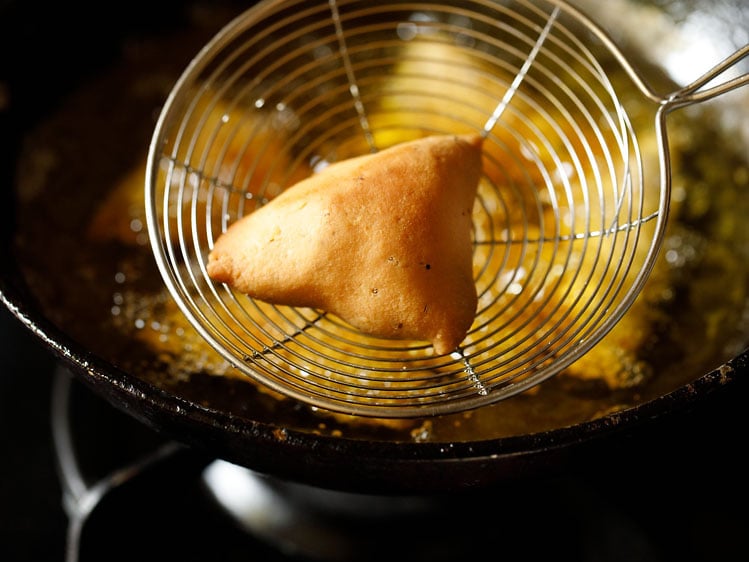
(567, 222)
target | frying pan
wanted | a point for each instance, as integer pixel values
(47, 53)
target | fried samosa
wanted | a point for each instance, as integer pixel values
(383, 241)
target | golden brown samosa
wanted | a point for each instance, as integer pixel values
(382, 240)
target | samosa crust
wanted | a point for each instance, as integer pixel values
(383, 241)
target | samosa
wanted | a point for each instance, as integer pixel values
(383, 241)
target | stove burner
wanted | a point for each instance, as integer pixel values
(340, 526)
(122, 485)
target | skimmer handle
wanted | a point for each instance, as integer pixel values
(693, 93)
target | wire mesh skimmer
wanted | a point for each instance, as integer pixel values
(570, 212)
